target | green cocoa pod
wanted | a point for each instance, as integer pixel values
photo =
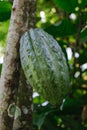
(44, 65)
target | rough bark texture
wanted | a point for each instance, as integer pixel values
(23, 12)
(24, 102)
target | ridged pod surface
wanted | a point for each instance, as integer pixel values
(44, 65)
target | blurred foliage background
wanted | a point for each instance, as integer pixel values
(66, 20)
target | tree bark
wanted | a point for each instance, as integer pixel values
(24, 102)
(23, 12)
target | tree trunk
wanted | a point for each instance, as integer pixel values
(24, 102)
(23, 12)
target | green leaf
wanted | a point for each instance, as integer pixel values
(5, 10)
(72, 123)
(66, 5)
(83, 57)
(84, 17)
(3, 33)
(51, 124)
(63, 28)
(72, 105)
(83, 35)
(38, 100)
(38, 119)
(62, 44)
(0, 68)
(84, 3)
